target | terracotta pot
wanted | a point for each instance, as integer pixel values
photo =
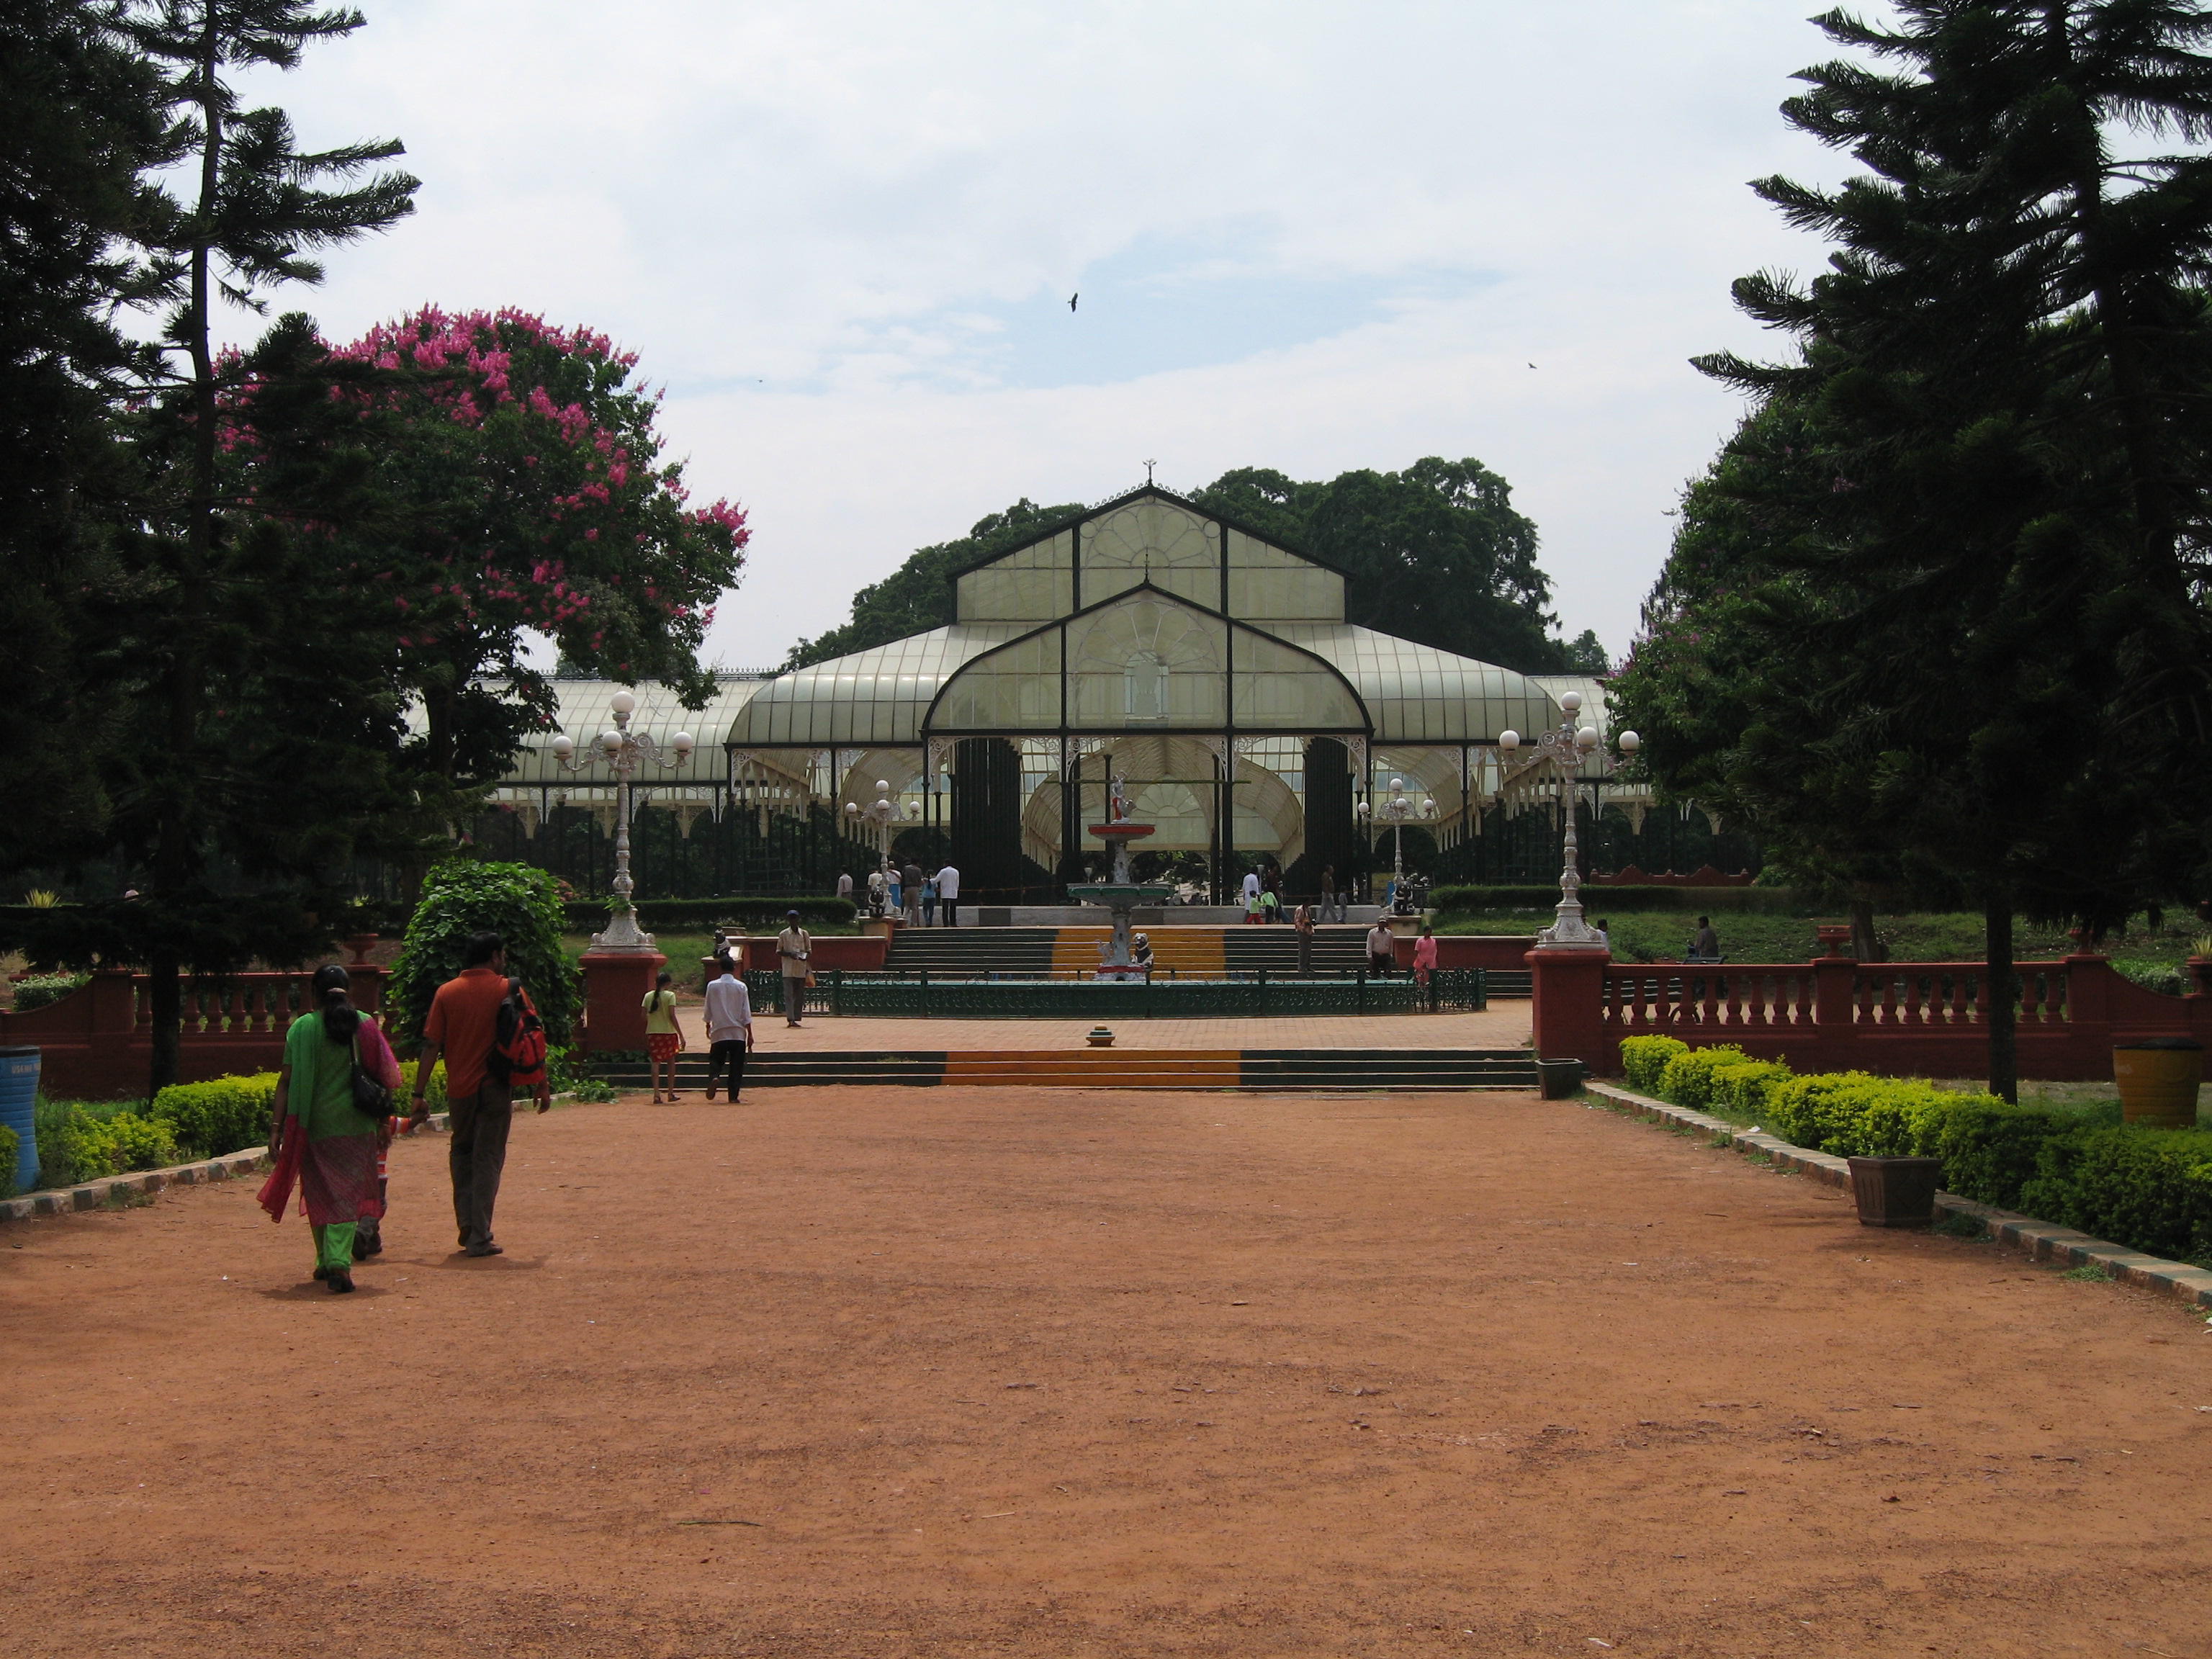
(1896, 1192)
(2200, 975)
(2158, 1078)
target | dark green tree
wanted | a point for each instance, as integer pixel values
(257, 209)
(1435, 554)
(1994, 533)
(82, 121)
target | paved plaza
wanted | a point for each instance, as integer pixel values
(962, 1371)
(1505, 1026)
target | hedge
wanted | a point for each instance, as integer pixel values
(226, 1115)
(40, 989)
(590, 916)
(1602, 900)
(75, 1146)
(11, 1147)
(2150, 1190)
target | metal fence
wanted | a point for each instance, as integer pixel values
(918, 994)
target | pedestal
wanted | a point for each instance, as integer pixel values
(616, 985)
(1567, 1007)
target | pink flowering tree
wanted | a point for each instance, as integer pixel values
(523, 492)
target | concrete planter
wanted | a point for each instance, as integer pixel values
(1560, 1079)
(1896, 1192)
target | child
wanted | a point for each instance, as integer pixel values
(664, 1037)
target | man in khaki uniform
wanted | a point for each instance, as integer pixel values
(795, 947)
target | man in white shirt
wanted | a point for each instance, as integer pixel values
(1381, 950)
(845, 886)
(948, 894)
(729, 1010)
(794, 947)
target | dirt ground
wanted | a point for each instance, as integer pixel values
(939, 1371)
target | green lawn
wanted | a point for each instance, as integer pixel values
(1748, 937)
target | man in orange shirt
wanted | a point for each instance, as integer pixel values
(462, 1026)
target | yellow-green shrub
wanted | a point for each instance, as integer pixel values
(1644, 1058)
(225, 1115)
(1687, 1079)
(1744, 1088)
(75, 1146)
(11, 1148)
(2149, 1189)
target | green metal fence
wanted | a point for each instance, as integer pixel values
(918, 995)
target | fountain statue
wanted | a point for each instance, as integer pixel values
(1120, 893)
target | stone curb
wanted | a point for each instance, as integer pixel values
(2040, 1239)
(64, 1201)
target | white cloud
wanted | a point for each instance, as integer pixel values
(1310, 237)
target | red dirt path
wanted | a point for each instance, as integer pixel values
(1087, 1373)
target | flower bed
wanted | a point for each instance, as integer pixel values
(2150, 1189)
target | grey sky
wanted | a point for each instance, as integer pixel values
(1307, 236)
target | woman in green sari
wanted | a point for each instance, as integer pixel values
(320, 1135)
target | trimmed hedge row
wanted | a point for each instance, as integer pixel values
(1691, 901)
(589, 915)
(2150, 1189)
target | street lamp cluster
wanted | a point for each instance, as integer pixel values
(624, 752)
(1572, 749)
(1397, 811)
(880, 815)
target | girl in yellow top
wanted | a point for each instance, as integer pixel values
(664, 1037)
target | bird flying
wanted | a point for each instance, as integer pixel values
(1072, 298)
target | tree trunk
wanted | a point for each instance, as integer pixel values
(176, 844)
(2000, 997)
(165, 1010)
(1866, 945)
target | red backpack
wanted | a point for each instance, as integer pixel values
(518, 1043)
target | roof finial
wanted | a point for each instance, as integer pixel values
(1149, 466)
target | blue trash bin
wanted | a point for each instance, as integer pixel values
(19, 1095)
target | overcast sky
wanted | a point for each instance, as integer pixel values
(1307, 236)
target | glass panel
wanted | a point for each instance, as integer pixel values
(1150, 539)
(1013, 689)
(1032, 584)
(1268, 583)
(1287, 690)
(1146, 661)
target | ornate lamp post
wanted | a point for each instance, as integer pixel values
(1569, 749)
(1397, 811)
(880, 815)
(624, 751)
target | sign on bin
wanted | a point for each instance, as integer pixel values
(19, 1095)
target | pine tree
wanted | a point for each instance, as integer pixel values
(81, 121)
(261, 209)
(1996, 540)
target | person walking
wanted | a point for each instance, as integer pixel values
(878, 892)
(664, 1034)
(1424, 962)
(948, 894)
(1302, 922)
(910, 888)
(929, 902)
(320, 1134)
(729, 1018)
(462, 1029)
(1328, 892)
(1382, 949)
(845, 887)
(794, 949)
(894, 892)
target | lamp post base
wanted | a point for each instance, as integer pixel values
(622, 934)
